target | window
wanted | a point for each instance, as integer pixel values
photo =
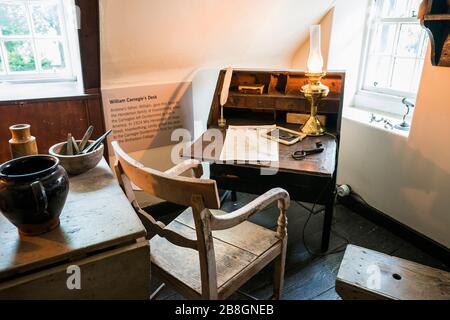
(395, 50)
(38, 40)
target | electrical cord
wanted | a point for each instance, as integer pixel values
(309, 209)
(338, 249)
(312, 212)
(331, 135)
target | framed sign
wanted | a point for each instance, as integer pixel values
(144, 117)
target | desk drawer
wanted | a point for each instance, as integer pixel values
(255, 102)
(260, 102)
(291, 104)
(122, 273)
(235, 102)
(331, 107)
(306, 188)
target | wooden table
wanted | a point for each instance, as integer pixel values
(310, 180)
(100, 233)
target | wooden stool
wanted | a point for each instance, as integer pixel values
(369, 275)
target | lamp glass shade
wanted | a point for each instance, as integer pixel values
(315, 60)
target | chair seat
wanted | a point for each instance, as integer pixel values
(235, 250)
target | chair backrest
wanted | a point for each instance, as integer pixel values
(176, 189)
(200, 194)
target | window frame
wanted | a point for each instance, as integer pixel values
(382, 99)
(68, 38)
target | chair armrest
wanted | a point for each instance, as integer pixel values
(234, 218)
(185, 166)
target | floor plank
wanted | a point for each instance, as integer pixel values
(330, 294)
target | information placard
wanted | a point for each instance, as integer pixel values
(144, 117)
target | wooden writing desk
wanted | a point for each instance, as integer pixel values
(311, 180)
(99, 232)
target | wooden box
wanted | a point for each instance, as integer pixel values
(369, 275)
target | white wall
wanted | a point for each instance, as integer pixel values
(342, 37)
(347, 33)
(300, 58)
(408, 178)
(398, 178)
(153, 41)
(150, 40)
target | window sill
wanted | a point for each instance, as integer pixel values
(39, 91)
(380, 102)
(363, 115)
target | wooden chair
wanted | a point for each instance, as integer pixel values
(230, 250)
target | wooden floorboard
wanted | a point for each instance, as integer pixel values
(313, 277)
(330, 294)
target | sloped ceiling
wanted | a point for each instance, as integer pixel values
(143, 36)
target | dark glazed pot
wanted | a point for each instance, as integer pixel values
(33, 191)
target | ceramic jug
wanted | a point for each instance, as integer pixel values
(22, 142)
(33, 191)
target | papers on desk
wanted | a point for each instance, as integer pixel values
(246, 143)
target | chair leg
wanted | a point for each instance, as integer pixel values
(278, 276)
(157, 291)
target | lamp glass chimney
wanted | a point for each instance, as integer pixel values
(315, 60)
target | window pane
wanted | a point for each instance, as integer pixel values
(52, 55)
(383, 40)
(403, 74)
(393, 8)
(423, 44)
(45, 19)
(20, 55)
(383, 7)
(397, 48)
(378, 71)
(409, 43)
(2, 69)
(13, 19)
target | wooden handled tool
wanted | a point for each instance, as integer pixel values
(97, 142)
(86, 137)
(69, 146)
(76, 150)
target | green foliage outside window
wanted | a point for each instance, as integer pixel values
(20, 56)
